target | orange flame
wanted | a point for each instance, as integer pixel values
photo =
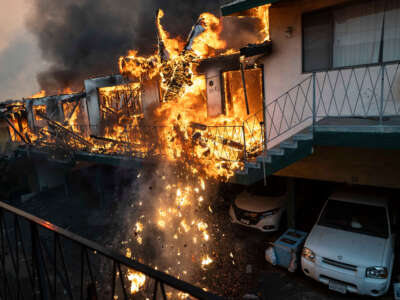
(40, 94)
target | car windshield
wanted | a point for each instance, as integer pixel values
(355, 217)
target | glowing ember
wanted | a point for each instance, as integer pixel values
(137, 281)
(206, 261)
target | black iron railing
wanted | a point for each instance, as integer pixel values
(39, 260)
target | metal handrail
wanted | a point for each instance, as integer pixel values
(366, 91)
(282, 115)
(40, 268)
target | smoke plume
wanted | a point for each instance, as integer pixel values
(84, 38)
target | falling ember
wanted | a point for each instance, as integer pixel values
(206, 261)
(137, 281)
(202, 226)
(139, 227)
(128, 253)
(161, 224)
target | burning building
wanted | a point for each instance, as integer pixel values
(206, 109)
(194, 103)
(191, 97)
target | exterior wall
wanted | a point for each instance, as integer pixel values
(92, 98)
(283, 71)
(214, 92)
(53, 110)
(283, 67)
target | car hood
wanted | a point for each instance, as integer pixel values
(254, 203)
(353, 248)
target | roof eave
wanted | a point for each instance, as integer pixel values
(232, 8)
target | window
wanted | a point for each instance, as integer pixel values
(359, 33)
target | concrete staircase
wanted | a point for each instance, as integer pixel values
(284, 154)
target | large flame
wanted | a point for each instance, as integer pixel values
(215, 144)
(262, 13)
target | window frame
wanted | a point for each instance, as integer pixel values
(331, 68)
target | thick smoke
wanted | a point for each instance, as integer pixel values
(84, 38)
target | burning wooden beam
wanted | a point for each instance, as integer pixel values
(15, 130)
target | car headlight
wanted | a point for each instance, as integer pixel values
(308, 254)
(376, 272)
(270, 212)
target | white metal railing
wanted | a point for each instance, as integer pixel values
(362, 92)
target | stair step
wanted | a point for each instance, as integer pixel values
(288, 145)
(264, 159)
(253, 165)
(303, 137)
(276, 151)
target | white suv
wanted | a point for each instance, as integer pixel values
(261, 207)
(351, 247)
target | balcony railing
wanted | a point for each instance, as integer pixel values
(39, 260)
(223, 142)
(370, 92)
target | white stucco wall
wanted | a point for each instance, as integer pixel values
(283, 68)
(283, 71)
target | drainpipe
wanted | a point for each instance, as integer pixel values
(244, 83)
(265, 133)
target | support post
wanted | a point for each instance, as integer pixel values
(291, 205)
(244, 143)
(265, 132)
(244, 84)
(382, 94)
